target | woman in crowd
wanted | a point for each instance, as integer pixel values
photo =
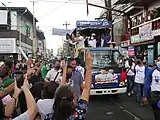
(64, 106)
(44, 106)
(7, 111)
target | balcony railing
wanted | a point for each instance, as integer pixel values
(155, 26)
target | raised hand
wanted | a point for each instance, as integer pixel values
(63, 64)
(17, 90)
(89, 60)
(25, 84)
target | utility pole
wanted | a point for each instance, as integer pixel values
(63, 47)
(34, 29)
(66, 24)
(109, 15)
(110, 11)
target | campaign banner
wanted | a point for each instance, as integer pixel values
(145, 32)
(60, 32)
(83, 24)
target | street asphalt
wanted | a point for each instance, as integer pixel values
(117, 108)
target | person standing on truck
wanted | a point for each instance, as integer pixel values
(140, 75)
(80, 40)
(105, 39)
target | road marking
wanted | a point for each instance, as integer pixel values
(135, 117)
(121, 107)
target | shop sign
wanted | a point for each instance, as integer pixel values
(156, 32)
(125, 43)
(145, 32)
(7, 45)
(131, 51)
(135, 39)
(150, 54)
(158, 48)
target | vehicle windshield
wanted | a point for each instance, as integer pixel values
(110, 58)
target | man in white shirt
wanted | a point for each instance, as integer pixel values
(80, 68)
(55, 73)
(152, 89)
(140, 76)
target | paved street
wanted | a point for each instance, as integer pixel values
(117, 108)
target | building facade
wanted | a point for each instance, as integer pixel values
(144, 26)
(41, 44)
(16, 32)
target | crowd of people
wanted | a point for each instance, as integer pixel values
(144, 81)
(33, 90)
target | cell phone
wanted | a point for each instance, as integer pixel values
(19, 78)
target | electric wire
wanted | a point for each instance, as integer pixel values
(56, 8)
(70, 2)
(63, 3)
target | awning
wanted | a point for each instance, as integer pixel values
(124, 2)
(133, 9)
(143, 43)
(137, 2)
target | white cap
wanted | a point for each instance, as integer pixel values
(30, 55)
(1, 64)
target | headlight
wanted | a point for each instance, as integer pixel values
(92, 86)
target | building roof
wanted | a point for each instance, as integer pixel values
(20, 10)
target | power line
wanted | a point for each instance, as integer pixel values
(70, 2)
(54, 9)
(63, 3)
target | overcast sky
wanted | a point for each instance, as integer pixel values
(54, 13)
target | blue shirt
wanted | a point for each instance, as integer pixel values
(77, 80)
(147, 85)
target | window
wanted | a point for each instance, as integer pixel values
(107, 58)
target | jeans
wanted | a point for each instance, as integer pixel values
(139, 91)
(156, 111)
(153, 103)
(130, 83)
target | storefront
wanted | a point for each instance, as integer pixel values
(8, 48)
(147, 40)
